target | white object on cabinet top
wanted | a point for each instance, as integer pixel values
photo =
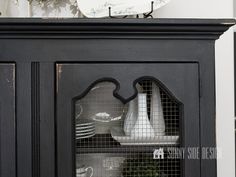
(100, 8)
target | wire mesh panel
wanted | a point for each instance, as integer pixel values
(132, 140)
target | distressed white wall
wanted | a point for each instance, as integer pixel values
(224, 63)
(234, 8)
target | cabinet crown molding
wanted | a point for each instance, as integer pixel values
(114, 28)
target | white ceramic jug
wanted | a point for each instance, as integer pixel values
(156, 115)
(130, 117)
(142, 127)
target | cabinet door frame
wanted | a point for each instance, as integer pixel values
(75, 79)
(7, 120)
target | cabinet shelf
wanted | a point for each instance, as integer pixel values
(104, 143)
(121, 149)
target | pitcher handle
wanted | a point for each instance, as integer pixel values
(81, 111)
(91, 170)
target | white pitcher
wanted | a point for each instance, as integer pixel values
(131, 117)
(142, 127)
(156, 115)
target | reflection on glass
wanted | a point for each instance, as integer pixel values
(117, 140)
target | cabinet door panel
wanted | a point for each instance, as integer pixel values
(74, 81)
(7, 120)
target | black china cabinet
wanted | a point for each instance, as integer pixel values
(108, 97)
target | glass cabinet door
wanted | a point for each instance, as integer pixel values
(115, 139)
(104, 131)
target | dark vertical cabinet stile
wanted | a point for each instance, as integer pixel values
(48, 62)
(47, 127)
(7, 120)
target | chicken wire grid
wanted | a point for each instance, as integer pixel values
(107, 147)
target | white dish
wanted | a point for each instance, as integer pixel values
(84, 122)
(84, 127)
(99, 104)
(101, 107)
(100, 8)
(85, 130)
(120, 136)
(82, 137)
(84, 134)
(104, 117)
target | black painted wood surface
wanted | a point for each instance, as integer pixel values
(7, 120)
(75, 80)
(38, 45)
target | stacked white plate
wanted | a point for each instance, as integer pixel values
(84, 129)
